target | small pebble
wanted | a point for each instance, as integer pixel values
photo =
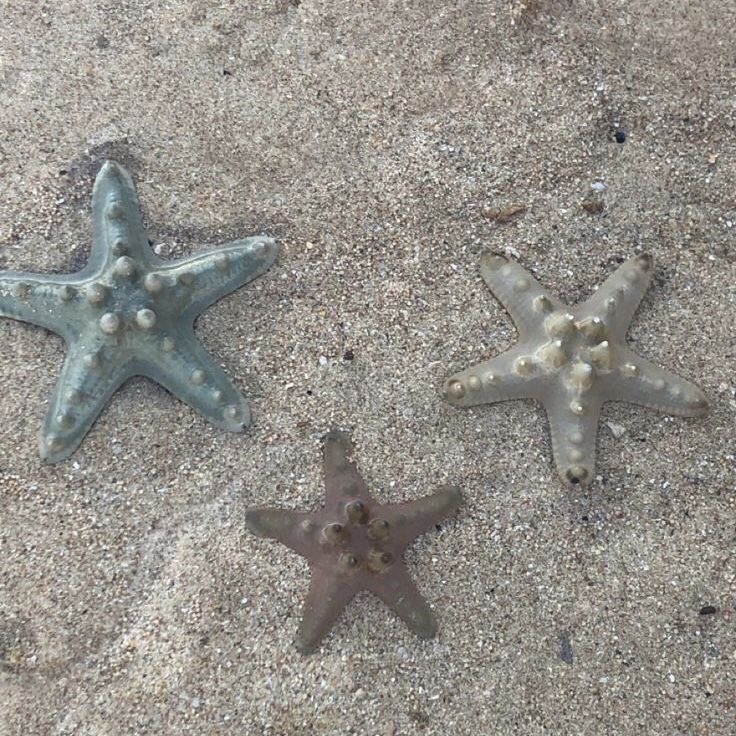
(592, 206)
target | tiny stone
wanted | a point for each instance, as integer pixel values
(566, 648)
(617, 430)
(349, 355)
(707, 610)
(592, 206)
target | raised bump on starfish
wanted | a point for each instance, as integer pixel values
(354, 544)
(127, 312)
(573, 359)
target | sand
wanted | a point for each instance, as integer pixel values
(375, 141)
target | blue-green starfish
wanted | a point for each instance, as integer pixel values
(128, 313)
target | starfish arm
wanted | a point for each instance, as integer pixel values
(86, 383)
(325, 601)
(416, 517)
(506, 377)
(286, 526)
(573, 435)
(184, 368)
(617, 298)
(523, 297)
(202, 279)
(46, 301)
(117, 227)
(341, 474)
(638, 381)
(399, 592)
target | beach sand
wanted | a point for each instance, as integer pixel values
(376, 141)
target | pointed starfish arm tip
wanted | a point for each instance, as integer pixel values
(401, 595)
(324, 603)
(509, 376)
(48, 301)
(340, 472)
(616, 300)
(523, 297)
(184, 368)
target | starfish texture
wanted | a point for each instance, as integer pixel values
(572, 359)
(127, 312)
(354, 544)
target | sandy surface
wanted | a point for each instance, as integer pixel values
(371, 138)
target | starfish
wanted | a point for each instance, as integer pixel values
(572, 359)
(355, 544)
(127, 313)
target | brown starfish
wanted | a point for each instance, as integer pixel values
(354, 544)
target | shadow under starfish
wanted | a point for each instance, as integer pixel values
(572, 360)
(127, 313)
(354, 544)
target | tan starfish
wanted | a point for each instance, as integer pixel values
(572, 359)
